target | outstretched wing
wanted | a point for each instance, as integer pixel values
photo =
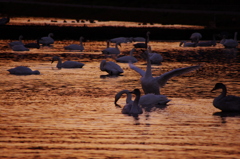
(162, 79)
(135, 68)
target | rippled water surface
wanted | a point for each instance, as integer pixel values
(70, 113)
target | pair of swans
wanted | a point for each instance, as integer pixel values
(110, 67)
(152, 84)
(226, 102)
(19, 42)
(230, 43)
(111, 50)
(126, 59)
(18, 45)
(22, 70)
(79, 47)
(66, 64)
(46, 41)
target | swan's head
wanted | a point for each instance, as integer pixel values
(36, 72)
(218, 86)
(55, 58)
(136, 92)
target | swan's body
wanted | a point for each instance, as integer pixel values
(120, 40)
(145, 40)
(76, 46)
(46, 41)
(152, 84)
(147, 99)
(195, 37)
(33, 45)
(110, 67)
(111, 50)
(22, 70)
(4, 21)
(208, 43)
(67, 64)
(126, 59)
(155, 58)
(224, 102)
(19, 48)
(19, 42)
(188, 44)
(230, 43)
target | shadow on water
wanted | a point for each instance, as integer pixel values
(224, 115)
(109, 76)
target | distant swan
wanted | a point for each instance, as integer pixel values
(19, 48)
(46, 41)
(19, 42)
(33, 45)
(208, 43)
(22, 70)
(67, 64)
(145, 40)
(195, 37)
(120, 40)
(75, 46)
(126, 59)
(188, 44)
(110, 67)
(111, 50)
(224, 102)
(152, 84)
(155, 58)
(147, 99)
(230, 43)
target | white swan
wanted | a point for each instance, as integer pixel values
(230, 43)
(195, 37)
(147, 99)
(208, 43)
(19, 48)
(46, 41)
(152, 84)
(133, 108)
(155, 58)
(224, 102)
(19, 42)
(188, 44)
(22, 70)
(67, 64)
(126, 59)
(110, 67)
(75, 46)
(145, 40)
(111, 50)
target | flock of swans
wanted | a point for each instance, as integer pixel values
(150, 85)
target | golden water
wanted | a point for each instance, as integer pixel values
(70, 113)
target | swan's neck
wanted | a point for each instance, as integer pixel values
(107, 44)
(129, 98)
(131, 52)
(81, 41)
(149, 70)
(136, 100)
(116, 46)
(224, 92)
(59, 64)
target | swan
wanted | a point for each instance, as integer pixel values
(145, 40)
(46, 41)
(75, 46)
(19, 42)
(147, 99)
(195, 37)
(22, 70)
(67, 64)
(152, 84)
(224, 102)
(33, 45)
(19, 48)
(155, 58)
(120, 40)
(186, 44)
(126, 59)
(111, 50)
(133, 108)
(208, 43)
(142, 39)
(230, 43)
(110, 67)
(4, 21)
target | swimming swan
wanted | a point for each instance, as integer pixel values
(126, 59)
(208, 43)
(19, 42)
(230, 43)
(22, 70)
(75, 46)
(110, 67)
(145, 40)
(224, 102)
(152, 84)
(188, 44)
(112, 50)
(195, 37)
(46, 41)
(19, 48)
(120, 40)
(67, 64)
(147, 99)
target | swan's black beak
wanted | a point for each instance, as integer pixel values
(213, 89)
